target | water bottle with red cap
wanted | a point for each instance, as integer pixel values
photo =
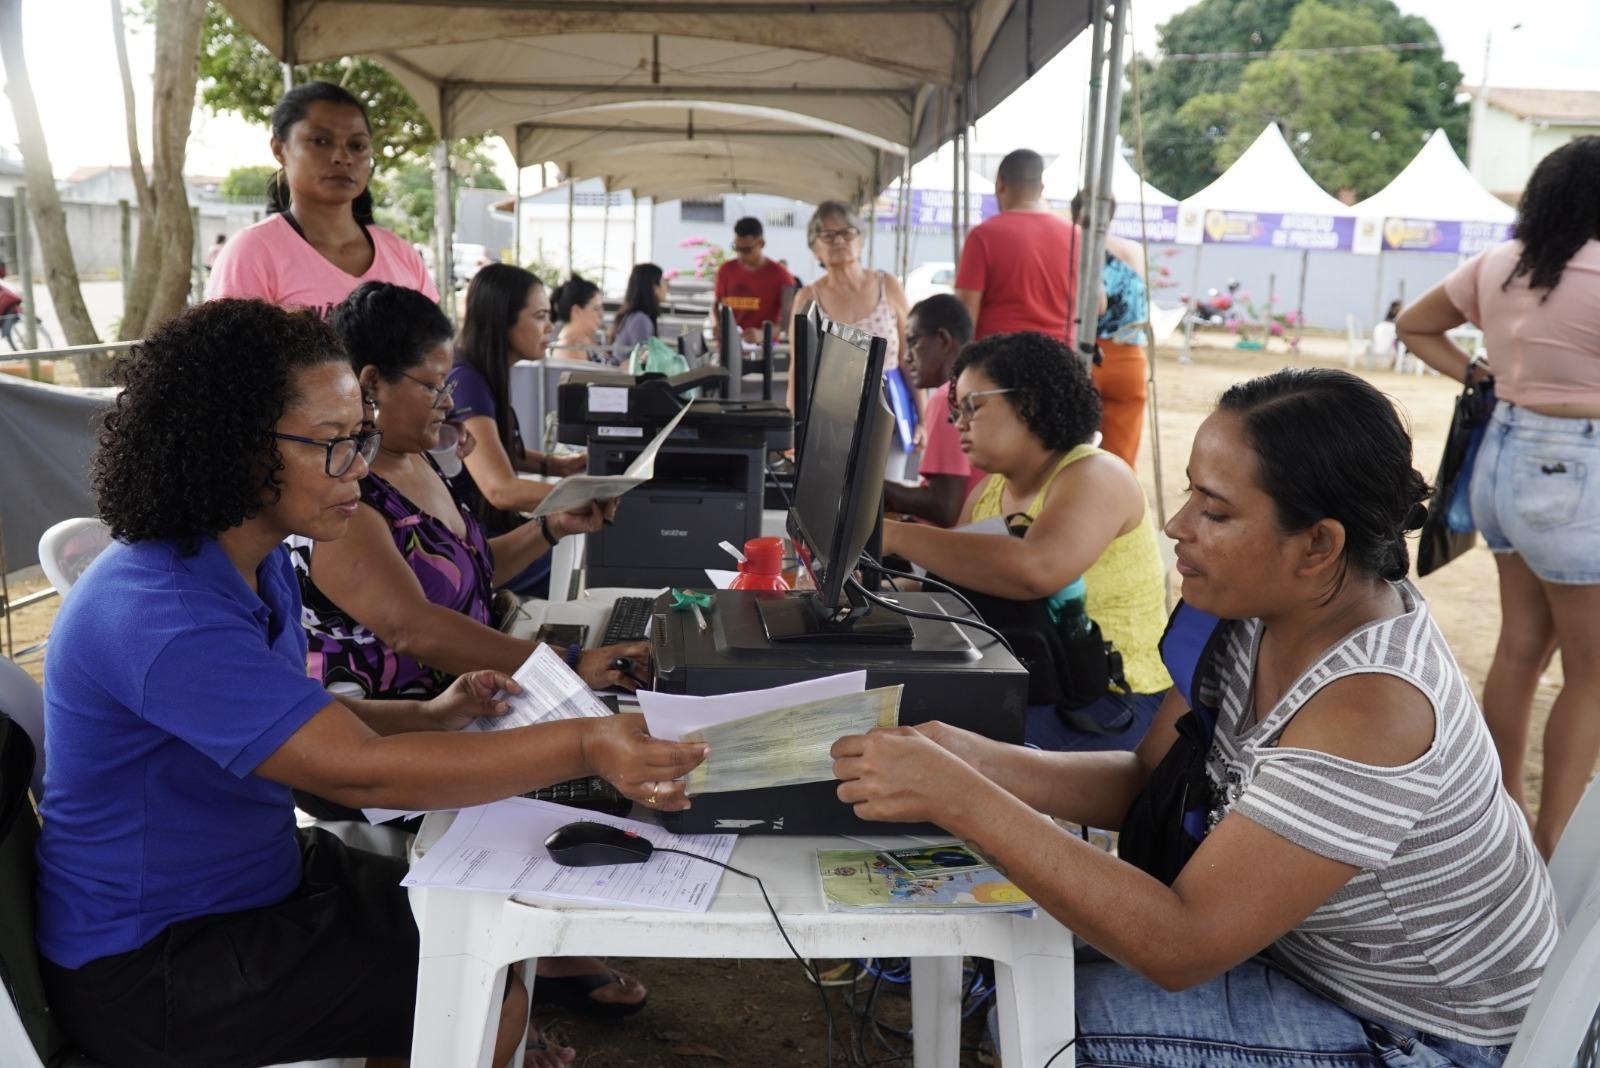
(762, 566)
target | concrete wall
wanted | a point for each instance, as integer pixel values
(95, 233)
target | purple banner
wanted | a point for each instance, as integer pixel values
(1430, 235)
(1160, 225)
(1267, 229)
(933, 209)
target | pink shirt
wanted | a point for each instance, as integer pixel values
(941, 454)
(270, 262)
(1540, 353)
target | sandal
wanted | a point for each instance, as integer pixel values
(575, 992)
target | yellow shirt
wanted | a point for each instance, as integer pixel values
(1124, 590)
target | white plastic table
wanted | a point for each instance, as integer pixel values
(469, 939)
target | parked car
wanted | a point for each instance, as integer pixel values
(926, 279)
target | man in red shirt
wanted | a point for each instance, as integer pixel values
(756, 288)
(1019, 270)
(936, 331)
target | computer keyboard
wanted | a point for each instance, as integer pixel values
(592, 793)
(630, 619)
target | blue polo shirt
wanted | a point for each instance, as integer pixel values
(168, 681)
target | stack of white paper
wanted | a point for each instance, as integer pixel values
(500, 848)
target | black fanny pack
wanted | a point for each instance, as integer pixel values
(1070, 664)
(1168, 819)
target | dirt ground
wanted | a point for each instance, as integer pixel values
(718, 1012)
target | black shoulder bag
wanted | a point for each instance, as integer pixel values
(1167, 820)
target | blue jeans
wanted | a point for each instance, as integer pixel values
(1250, 1017)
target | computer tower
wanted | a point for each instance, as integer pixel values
(956, 674)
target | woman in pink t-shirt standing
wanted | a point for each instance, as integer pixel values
(1536, 481)
(318, 241)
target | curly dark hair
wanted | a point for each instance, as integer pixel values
(188, 451)
(1560, 211)
(1053, 391)
(388, 326)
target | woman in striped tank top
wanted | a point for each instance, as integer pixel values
(1367, 892)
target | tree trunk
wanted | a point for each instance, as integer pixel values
(178, 25)
(140, 284)
(60, 269)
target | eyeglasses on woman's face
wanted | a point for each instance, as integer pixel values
(835, 237)
(441, 394)
(342, 451)
(964, 411)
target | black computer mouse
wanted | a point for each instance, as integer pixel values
(585, 844)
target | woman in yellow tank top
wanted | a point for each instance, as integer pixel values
(1027, 410)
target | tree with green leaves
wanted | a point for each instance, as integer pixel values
(1195, 118)
(239, 75)
(247, 183)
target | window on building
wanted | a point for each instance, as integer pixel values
(781, 218)
(701, 211)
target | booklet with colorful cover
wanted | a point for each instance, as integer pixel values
(864, 880)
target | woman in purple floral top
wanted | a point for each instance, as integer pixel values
(400, 604)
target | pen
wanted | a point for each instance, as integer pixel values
(699, 616)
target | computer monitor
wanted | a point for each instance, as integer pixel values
(802, 358)
(729, 352)
(838, 493)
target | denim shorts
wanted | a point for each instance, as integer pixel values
(1536, 492)
(1252, 1016)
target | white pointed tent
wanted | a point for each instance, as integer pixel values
(1063, 178)
(1434, 205)
(1266, 181)
(1266, 200)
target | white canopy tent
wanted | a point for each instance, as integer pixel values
(1266, 200)
(1063, 179)
(889, 78)
(1433, 205)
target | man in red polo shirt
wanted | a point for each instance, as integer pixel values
(755, 287)
(1019, 270)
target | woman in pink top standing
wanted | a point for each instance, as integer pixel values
(1536, 481)
(318, 241)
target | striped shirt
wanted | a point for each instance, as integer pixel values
(1447, 926)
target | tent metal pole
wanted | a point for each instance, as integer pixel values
(1080, 328)
(955, 196)
(1300, 303)
(572, 207)
(1100, 215)
(1194, 303)
(605, 232)
(633, 248)
(1377, 295)
(443, 205)
(516, 211)
(904, 215)
(872, 213)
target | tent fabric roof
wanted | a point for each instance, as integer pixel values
(728, 145)
(1064, 177)
(883, 71)
(1268, 178)
(1436, 185)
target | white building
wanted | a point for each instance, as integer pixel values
(1513, 129)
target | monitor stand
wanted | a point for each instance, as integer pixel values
(800, 618)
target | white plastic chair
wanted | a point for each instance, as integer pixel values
(23, 701)
(1355, 343)
(1575, 867)
(1562, 1027)
(68, 548)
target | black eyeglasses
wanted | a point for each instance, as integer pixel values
(342, 452)
(441, 394)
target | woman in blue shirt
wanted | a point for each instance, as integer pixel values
(182, 919)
